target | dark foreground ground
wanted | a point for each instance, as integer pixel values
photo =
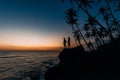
(76, 64)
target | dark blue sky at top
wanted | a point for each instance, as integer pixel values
(36, 14)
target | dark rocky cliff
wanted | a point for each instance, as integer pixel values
(76, 64)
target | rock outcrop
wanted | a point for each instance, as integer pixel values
(76, 64)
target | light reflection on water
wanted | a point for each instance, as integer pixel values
(13, 62)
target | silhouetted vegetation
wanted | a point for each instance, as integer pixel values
(93, 31)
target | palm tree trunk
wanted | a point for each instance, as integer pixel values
(91, 44)
(73, 33)
(102, 41)
(72, 27)
(99, 39)
(83, 37)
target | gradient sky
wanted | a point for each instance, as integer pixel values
(34, 23)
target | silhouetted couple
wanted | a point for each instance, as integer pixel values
(66, 42)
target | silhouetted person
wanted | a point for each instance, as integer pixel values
(64, 43)
(69, 45)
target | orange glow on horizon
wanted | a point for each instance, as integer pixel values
(28, 40)
(9, 47)
(31, 40)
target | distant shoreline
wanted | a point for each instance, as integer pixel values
(30, 50)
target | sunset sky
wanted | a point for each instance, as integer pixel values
(34, 24)
(31, 24)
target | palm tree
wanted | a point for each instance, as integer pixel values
(71, 19)
(106, 16)
(83, 5)
(88, 35)
(103, 33)
(111, 13)
(117, 24)
(95, 34)
(83, 36)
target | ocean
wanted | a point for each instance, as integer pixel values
(17, 64)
